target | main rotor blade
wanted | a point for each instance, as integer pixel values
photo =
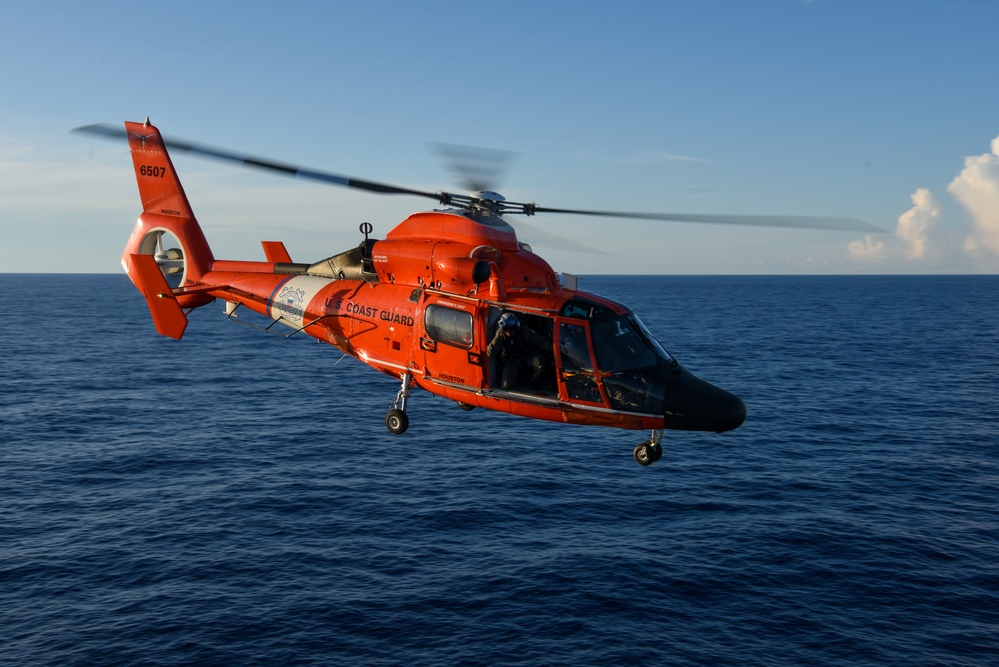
(786, 221)
(113, 132)
(537, 236)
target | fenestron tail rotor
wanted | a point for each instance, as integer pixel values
(170, 260)
(478, 169)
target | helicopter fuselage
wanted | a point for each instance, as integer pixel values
(415, 309)
(422, 305)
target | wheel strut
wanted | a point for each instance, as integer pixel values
(397, 421)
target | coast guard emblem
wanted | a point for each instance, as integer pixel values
(291, 303)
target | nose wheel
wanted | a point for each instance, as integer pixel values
(397, 421)
(651, 450)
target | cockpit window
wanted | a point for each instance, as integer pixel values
(652, 339)
(575, 348)
(619, 347)
(582, 309)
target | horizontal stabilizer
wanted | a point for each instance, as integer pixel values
(168, 316)
(275, 251)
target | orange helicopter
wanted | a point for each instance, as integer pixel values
(449, 301)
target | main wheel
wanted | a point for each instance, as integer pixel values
(465, 406)
(657, 452)
(644, 454)
(396, 421)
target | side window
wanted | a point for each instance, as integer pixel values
(575, 348)
(577, 369)
(448, 325)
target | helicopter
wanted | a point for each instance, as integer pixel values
(423, 304)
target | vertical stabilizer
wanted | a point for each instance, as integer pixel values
(159, 185)
(165, 213)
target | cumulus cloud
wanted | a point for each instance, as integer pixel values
(912, 234)
(867, 250)
(915, 224)
(916, 239)
(976, 188)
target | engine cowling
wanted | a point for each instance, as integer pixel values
(460, 272)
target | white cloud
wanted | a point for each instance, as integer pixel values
(915, 224)
(912, 235)
(867, 250)
(976, 188)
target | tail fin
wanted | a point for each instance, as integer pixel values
(165, 211)
(168, 316)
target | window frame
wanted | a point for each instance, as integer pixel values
(441, 334)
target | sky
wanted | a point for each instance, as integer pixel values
(881, 110)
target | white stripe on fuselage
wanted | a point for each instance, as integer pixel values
(293, 297)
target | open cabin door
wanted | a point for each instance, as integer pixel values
(536, 375)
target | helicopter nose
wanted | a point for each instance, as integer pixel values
(695, 405)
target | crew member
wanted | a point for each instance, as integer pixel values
(518, 352)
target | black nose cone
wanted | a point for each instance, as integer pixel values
(695, 405)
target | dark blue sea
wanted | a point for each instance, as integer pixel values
(235, 499)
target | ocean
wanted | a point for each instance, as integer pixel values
(235, 499)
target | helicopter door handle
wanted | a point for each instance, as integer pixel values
(428, 344)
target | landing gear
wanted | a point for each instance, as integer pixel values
(397, 421)
(651, 450)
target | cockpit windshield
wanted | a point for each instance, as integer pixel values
(660, 350)
(624, 344)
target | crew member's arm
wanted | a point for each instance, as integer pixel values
(494, 344)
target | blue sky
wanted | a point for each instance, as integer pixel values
(880, 110)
